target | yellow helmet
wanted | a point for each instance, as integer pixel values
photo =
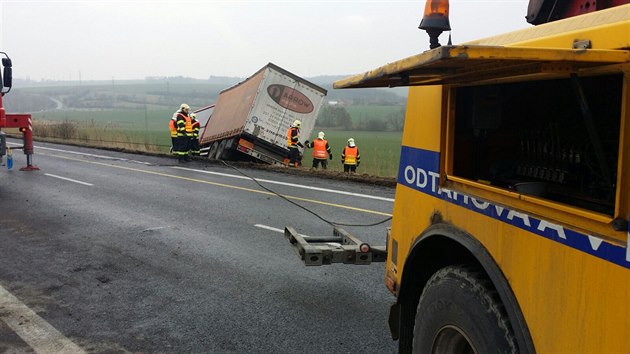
(192, 115)
(184, 107)
(297, 123)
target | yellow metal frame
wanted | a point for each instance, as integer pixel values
(463, 64)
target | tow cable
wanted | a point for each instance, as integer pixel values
(331, 223)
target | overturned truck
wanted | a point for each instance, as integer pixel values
(250, 120)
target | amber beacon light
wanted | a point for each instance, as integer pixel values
(435, 20)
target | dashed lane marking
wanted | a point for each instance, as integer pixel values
(68, 179)
(271, 228)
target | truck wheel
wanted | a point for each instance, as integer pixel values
(228, 152)
(460, 312)
(212, 152)
(220, 149)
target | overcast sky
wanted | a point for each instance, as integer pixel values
(134, 39)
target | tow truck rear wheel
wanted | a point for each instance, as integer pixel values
(460, 312)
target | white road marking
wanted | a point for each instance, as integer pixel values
(270, 228)
(232, 176)
(86, 154)
(68, 179)
(33, 330)
(289, 184)
(334, 244)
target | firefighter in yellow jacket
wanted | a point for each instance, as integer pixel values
(321, 150)
(194, 140)
(350, 157)
(180, 122)
(293, 136)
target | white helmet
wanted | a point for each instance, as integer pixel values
(184, 107)
(351, 142)
(296, 123)
(192, 115)
(320, 135)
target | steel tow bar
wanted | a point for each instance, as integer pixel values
(342, 247)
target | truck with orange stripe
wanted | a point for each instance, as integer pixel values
(510, 221)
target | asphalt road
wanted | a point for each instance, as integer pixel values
(109, 252)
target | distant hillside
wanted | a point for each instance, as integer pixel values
(165, 92)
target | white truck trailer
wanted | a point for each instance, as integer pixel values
(250, 120)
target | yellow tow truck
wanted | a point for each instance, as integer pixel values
(510, 222)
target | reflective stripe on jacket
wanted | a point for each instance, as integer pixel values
(350, 155)
(181, 124)
(293, 136)
(320, 149)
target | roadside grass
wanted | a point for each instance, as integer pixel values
(102, 135)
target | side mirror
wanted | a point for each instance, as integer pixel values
(8, 72)
(8, 77)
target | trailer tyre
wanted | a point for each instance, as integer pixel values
(228, 149)
(460, 312)
(212, 152)
(220, 149)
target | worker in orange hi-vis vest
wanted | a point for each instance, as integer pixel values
(293, 136)
(172, 127)
(350, 157)
(321, 151)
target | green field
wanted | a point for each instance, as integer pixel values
(134, 119)
(360, 113)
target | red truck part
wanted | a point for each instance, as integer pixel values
(23, 122)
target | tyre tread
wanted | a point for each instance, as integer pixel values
(481, 287)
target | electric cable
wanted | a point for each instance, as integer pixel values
(331, 223)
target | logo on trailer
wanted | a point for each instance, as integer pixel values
(290, 99)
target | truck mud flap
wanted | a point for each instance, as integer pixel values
(341, 247)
